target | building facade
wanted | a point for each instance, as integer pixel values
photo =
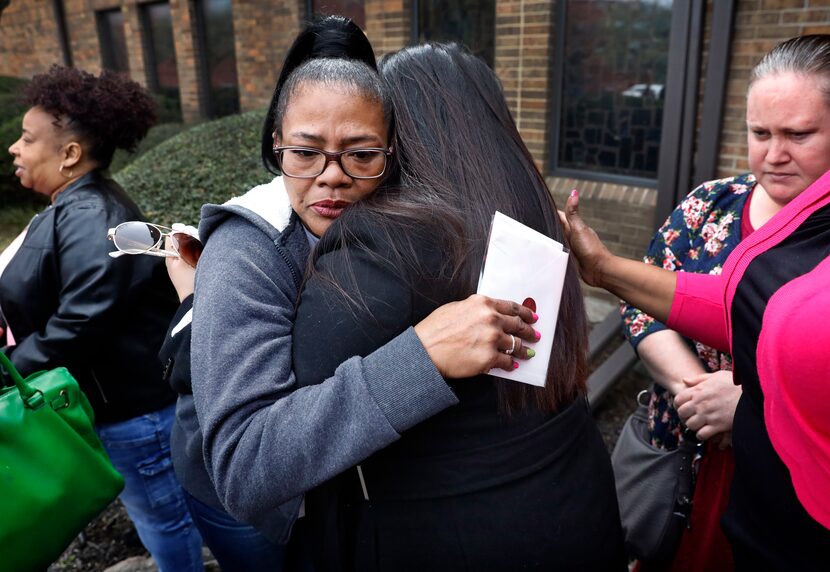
(631, 101)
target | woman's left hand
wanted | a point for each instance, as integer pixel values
(182, 275)
(707, 405)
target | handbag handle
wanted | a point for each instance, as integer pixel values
(26, 392)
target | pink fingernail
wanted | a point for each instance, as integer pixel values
(515, 365)
(574, 193)
(538, 335)
(535, 317)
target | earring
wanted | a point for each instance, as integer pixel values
(61, 168)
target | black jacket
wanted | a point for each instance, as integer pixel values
(70, 304)
(469, 488)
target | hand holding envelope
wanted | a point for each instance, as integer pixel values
(522, 263)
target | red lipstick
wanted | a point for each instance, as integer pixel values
(329, 208)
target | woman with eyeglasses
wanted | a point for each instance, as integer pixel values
(512, 477)
(264, 214)
(66, 303)
(265, 442)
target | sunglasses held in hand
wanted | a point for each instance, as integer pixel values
(135, 237)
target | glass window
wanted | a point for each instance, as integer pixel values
(350, 8)
(469, 22)
(112, 40)
(613, 80)
(220, 57)
(160, 55)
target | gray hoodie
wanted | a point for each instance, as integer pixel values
(266, 441)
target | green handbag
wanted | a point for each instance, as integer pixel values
(55, 475)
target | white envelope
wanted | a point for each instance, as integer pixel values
(521, 263)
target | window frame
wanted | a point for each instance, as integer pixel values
(148, 45)
(554, 135)
(106, 41)
(205, 96)
(415, 28)
(63, 34)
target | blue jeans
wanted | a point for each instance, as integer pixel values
(140, 450)
(238, 547)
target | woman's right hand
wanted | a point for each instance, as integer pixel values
(470, 337)
(588, 250)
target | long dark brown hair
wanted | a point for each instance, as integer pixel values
(461, 158)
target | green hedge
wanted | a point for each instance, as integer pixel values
(9, 84)
(156, 135)
(10, 106)
(11, 121)
(208, 163)
(10, 101)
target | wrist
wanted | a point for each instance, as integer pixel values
(603, 270)
(674, 387)
(422, 333)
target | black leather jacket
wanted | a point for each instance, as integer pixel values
(70, 304)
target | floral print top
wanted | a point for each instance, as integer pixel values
(697, 237)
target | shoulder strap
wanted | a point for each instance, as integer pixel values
(25, 391)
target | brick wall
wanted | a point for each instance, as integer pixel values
(188, 56)
(83, 32)
(622, 215)
(524, 35)
(759, 26)
(24, 25)
(524, 51)
(388, 24)
(263, 32)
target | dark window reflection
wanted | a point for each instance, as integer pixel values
(160, 55)
(112, 40)
(220, 57)
(468, 22)
(613, 85)
(350, 8)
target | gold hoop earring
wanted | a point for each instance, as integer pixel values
(60, 170)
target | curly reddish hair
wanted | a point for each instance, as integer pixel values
(107, 112)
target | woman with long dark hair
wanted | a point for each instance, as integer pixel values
(263, 440)
(514, 476)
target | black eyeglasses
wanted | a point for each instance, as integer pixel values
(308, 163)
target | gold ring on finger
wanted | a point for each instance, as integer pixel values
(512, 345)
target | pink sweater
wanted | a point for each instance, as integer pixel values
(793, 353)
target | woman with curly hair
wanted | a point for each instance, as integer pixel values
(67, 303)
